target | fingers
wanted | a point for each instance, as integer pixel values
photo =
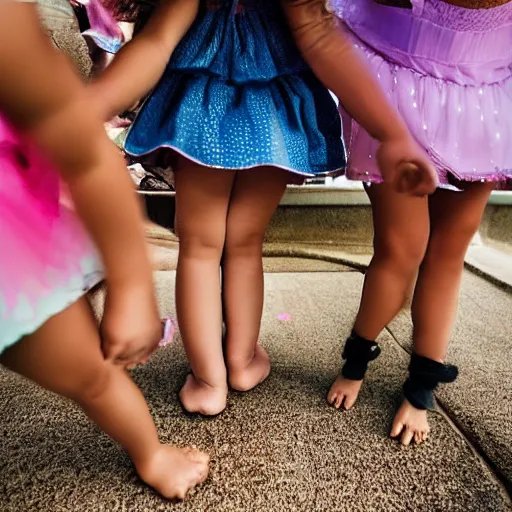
(417, 179)
(127, 355)
(130, 358)
(124, 354)
(124, 351)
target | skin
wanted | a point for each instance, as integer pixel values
(427, 238)
(212, 219)
(47, 103)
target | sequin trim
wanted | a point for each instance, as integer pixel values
(328, 174)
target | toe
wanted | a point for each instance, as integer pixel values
(397, 428)
(194, 455)
(333, 392)
(339, 400)
(202, 458)
(204, 473)
(350, 400)
(407, 436)
(181, 494)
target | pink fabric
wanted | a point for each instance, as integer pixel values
(417, 6)
(448, 71)
(43, 245)
(104, 31)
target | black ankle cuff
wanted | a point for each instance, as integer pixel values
(424, 376)
(357, 353)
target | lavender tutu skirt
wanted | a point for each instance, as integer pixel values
(47, 261)
(448, 70)
(101, 27)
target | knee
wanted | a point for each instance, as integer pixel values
(449, 244)
(405, 253)
(245, 243)
(204, 244)
(91, 384)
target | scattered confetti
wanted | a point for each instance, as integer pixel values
(169, 329)
(284, 317)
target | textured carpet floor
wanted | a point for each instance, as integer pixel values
(277, 448)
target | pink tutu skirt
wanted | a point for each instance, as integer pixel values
(47, 261)
(448, 70)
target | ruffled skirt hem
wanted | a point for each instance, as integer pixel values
(15, 327)
(47, 261)
(466, 130)
(290, 123)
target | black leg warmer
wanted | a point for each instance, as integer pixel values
(424, 376)
(358, 352)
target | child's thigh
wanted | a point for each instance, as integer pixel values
(256, 195)
(202, 200)
(460, 211)
(455, 218)
(64, 355)
(401, 222)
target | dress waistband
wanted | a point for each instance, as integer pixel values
(433, 46)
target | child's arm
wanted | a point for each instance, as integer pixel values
(333, 58)
(139, 65)
(41, 96)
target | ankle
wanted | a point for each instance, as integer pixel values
(142, 460)
(239, 362)
(360, 333)
(219, 383)
(357, 353)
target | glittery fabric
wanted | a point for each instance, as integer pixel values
(236, 95)
(47, 261)
(448, 70)
(469, 4)
(103, 30)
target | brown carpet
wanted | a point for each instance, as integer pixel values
(278, 448)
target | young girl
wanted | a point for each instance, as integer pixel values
(448, 70)
(47, 332)
(243, 113)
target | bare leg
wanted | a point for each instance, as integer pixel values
(401, 230)
(202, 207)
(64, 356)
(255, 197)
(455, 217)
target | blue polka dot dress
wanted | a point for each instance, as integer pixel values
(236, 94)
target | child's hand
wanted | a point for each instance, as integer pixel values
(406, 167)
(131, 328)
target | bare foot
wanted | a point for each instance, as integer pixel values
(251, 374)
(173, 471)
(199, 397)
(344, 392)
(410, 424)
